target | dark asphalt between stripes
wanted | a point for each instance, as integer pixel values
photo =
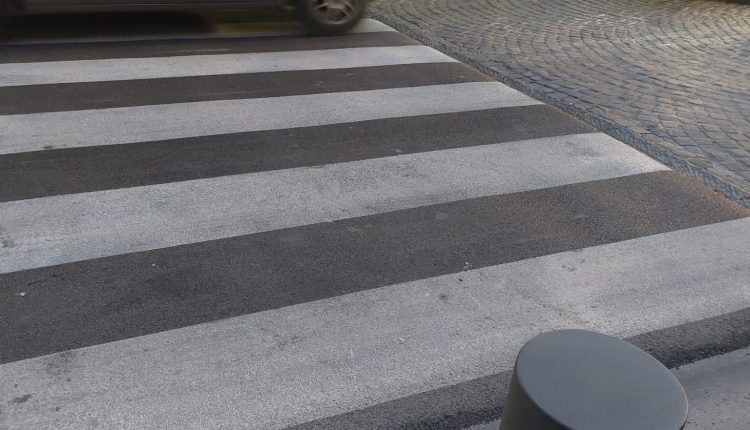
(102, 300)
(76, 170)
(112, 94)
(171, 48)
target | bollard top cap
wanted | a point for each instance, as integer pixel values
(590, 381)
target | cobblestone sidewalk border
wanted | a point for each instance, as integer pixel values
(709, 172)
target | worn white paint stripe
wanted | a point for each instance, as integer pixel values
(37, 131)
(282, 367)
(368, 25)
(118, 69)
(67, 228)
(718, 391)
(222, 30)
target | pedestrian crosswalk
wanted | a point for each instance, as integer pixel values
(75, 129)
(277, 232)
(75, 227)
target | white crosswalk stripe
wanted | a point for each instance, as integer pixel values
(59, 72)
(63, 229)
(294, 291)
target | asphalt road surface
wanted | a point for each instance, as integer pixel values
(271, 232)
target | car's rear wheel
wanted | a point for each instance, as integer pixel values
(327, 17)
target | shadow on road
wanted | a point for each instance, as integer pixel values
(135, 24)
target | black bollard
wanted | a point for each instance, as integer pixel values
(581, 380)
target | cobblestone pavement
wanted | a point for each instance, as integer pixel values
(669, 77)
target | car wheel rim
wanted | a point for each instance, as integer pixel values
(334, 11)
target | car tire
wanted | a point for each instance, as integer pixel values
(330, 17)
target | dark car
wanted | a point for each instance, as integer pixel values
(321, 16)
